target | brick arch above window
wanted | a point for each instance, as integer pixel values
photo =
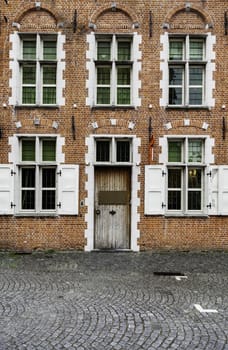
(125, 11)
(202, 14)
(30, 12)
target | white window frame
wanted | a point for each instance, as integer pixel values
(17, 61)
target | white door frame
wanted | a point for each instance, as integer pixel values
(135, 187)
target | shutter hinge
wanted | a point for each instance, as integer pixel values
(12, 205)
(59, 205)
(209, 206)
(12, 173)
(209, 174)
(59, 173)
(163, 205)
(163, 173)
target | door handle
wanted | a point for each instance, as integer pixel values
(98, 211)
(112, 212)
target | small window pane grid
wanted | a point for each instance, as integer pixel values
(186, 71)
(113, 85)
(185, 182)
(37, 181)
(113, 151)
(38, 80)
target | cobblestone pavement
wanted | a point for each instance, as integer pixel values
(118, 301)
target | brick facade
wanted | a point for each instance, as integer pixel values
(149, 22)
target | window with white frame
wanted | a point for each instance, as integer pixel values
(185, 175)
(113, 150)
(38, 67)
(187, 71)
(37, 63)
(37, 174)
(113, 70)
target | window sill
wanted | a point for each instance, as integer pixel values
(113, 107)
(37, 106)
(187, 107)
(36, 215)
(184, 216)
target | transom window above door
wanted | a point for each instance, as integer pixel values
(113, 150)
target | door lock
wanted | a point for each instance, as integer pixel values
(112, 212)
(98, 211)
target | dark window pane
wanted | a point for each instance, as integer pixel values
(29, 75)
(176, 76)
(123, 151)
(176, 50)
(49, 50)
(194, 200)
(29, 49)
(194, 178)
(48, 178)
(103, 151)
(175, 151)
(49, 95)
(124, 51)
(28, 150)
(175, 96)
(29, 95)
(28, 178)
(103, 95)
(195, 151)
(124, 76)
(195, 96)
(103, 50)
(48, 199)
(174, 178)
(196, 76)
(28, 199)
(103, 76)
(123, 96)
(196, 50)
(49, 150)
(174, 200)
(49, 75)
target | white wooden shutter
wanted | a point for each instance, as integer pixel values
(212, 175)
(223, 190)
(154, 190)
(6, 189)
(68, 189)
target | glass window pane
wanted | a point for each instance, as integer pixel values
(49, 95)
(123, 96)
(28, 199)
(28, 95)
(195, 96)
(194, 178)
(49, 50)
(176, 76)
(194, 200)
(29, 74)
(103, 151)
(103, 95)
(195, 151)
(48, 199)
(28, 150)
(124, 76)
(103, 50)
(124, 51)
(29, 49)
(103, 75)
(123, 151)
(28, 177)
(49, 150)
(49, 75)
(174, 151)
(196, 50)
(175, 96)
(176, 50)
(196, 76)
(174, 200)
(174, 178)
(48, 178)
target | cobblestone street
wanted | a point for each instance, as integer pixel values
(118, 301)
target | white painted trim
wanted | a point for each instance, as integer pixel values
(164, 83)
(89, 186)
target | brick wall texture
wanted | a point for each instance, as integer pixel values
(156, 232)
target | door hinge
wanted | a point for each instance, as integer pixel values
(59, 205)
(209, 174)
(12, 173)
(163, 173)
(163, 205)
(209, 206)
(12, 205)
(59, 173)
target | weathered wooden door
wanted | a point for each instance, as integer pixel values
(112, 207)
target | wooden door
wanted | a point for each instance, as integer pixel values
(112, 207)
